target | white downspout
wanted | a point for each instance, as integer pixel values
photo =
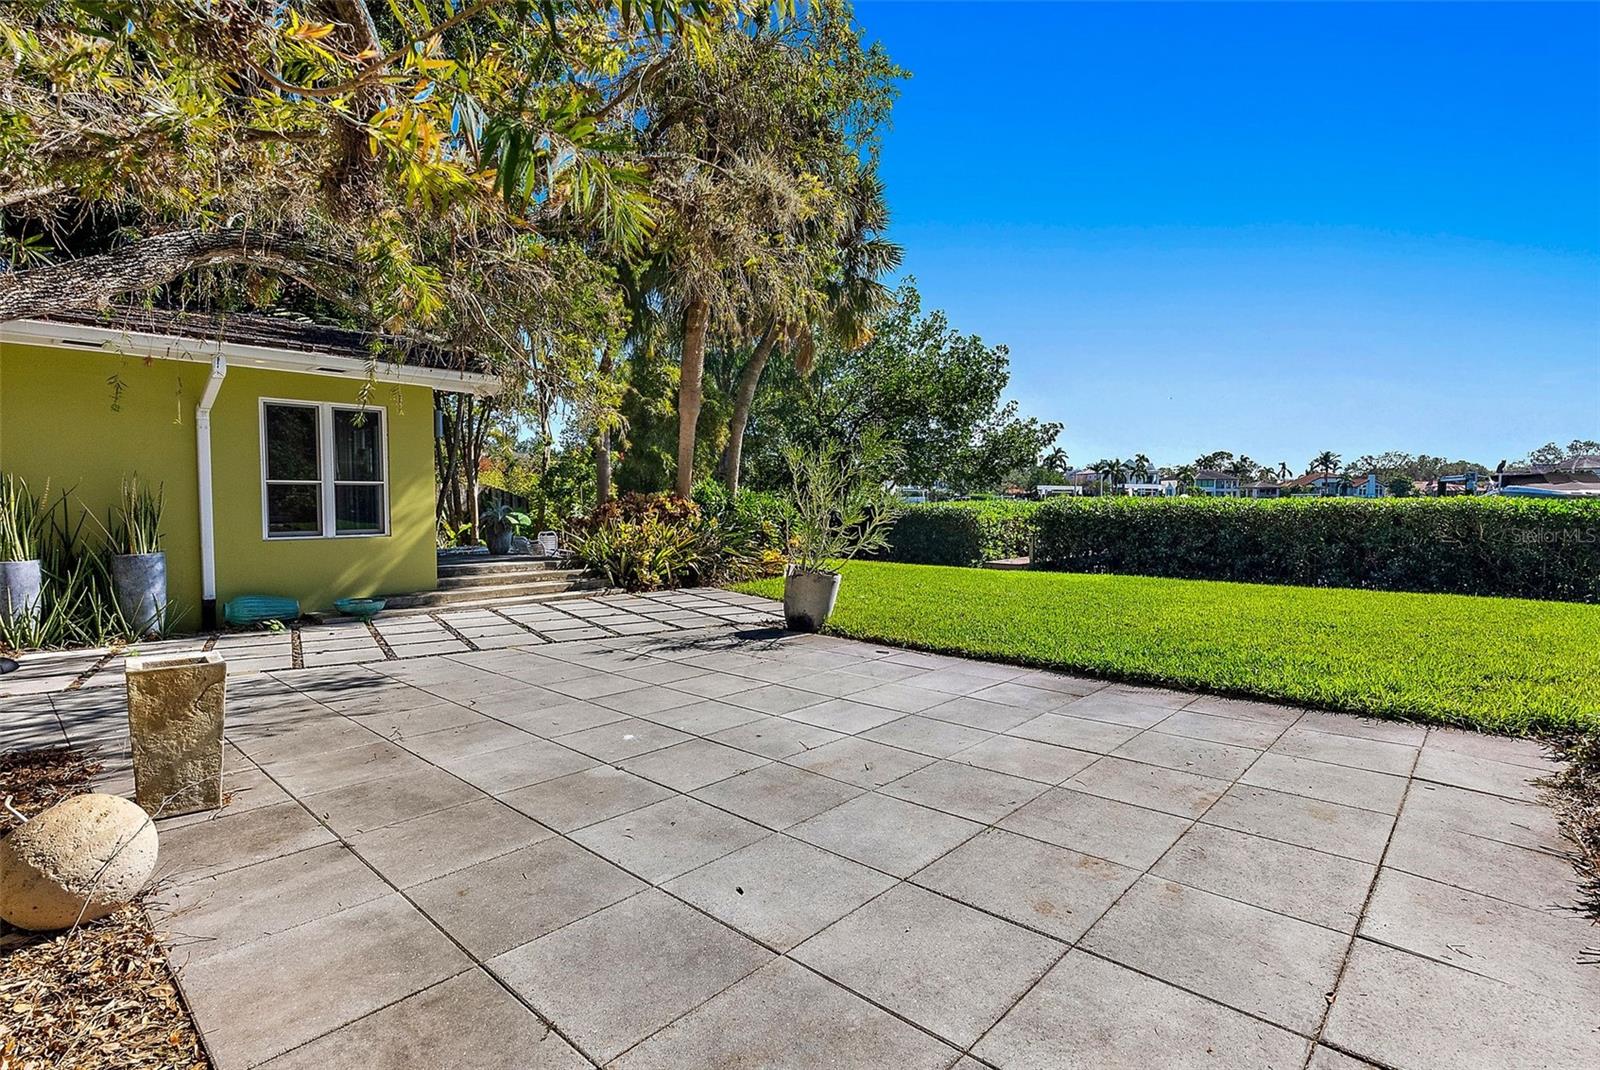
(208, 538)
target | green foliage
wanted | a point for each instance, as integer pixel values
(134, 525)
(21, 518)
(962, 533)
(501, 518)
(1527, 548)
(77, 606)
(933, 390)
(1504, 665)
(639, 555)
(842, 505)
(648, 541)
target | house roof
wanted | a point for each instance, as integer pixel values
(281, 342)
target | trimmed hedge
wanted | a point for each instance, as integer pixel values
(962, 533)
(1517, 547)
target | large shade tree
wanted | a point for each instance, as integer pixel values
(929, 387)
(454, 170)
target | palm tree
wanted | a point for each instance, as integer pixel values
(1283, 469)
(1142, 468)
(1185, 476)
(851, 301)
(1101, 468)
(1325, 462)
(1054, 461)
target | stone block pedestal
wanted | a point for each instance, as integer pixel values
(175, 709)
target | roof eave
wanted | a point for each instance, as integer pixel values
(199, 350)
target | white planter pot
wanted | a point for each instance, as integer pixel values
(175, 711)
(808, 599)
(20, 583)
(140, 584)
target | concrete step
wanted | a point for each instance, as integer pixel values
(485, 565)
(508, 578)
(453, 596)
(496, 603)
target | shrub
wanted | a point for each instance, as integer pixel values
(962, 533)
(647, 541)
(1527, 548)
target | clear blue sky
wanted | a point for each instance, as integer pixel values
(1273, 229)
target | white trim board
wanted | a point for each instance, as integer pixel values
(76, 336)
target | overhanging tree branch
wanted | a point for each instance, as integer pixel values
(152, 261)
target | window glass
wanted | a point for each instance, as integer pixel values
(291, 442)
(294, 509)
(358, 508)
(358, 445)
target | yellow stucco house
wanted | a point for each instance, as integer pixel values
(294, 462)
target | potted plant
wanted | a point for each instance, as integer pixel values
(21, 579)
(843, 505)
(138, 565)
(498, 525)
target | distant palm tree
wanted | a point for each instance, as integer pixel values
(1185, 476)
(1055, 460)
(1142, 468)
(1325, 462)
(1283, 469)
(1102, 469)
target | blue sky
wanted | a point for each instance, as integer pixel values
(1273, 229)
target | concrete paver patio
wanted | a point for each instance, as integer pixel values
(717, 847)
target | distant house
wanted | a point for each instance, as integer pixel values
(1217, 483)
(1074, 482)
(1578, 477)
(295, 459)
(1262, 488)
(1334, 485)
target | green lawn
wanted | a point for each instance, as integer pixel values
(1499, 664)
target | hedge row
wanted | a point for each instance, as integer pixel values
(1527, 548)
(962, 533)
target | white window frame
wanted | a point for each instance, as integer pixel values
(326, 482)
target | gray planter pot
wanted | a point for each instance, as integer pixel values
(499, 541)
(808, 599)
(140, 584)
(19, 591)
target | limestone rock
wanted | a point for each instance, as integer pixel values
(175, 712)
(82, 858)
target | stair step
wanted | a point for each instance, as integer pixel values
(509, 578)
(504, 591)
(474, 566)
(491, 603)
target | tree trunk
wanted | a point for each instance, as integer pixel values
(602, 469)
(690, 388)
(157, 259)
(602, 445)
(744, 397)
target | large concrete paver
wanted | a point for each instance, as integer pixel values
(1092, 1013)
(621, 974)
(861, 857)
(467, 1021)
(950, 969)
(783, 1017)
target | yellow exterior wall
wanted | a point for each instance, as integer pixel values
(59, 421)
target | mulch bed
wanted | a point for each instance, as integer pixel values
(1577, 801)
(97, 997)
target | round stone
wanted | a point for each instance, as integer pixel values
(79, 860)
